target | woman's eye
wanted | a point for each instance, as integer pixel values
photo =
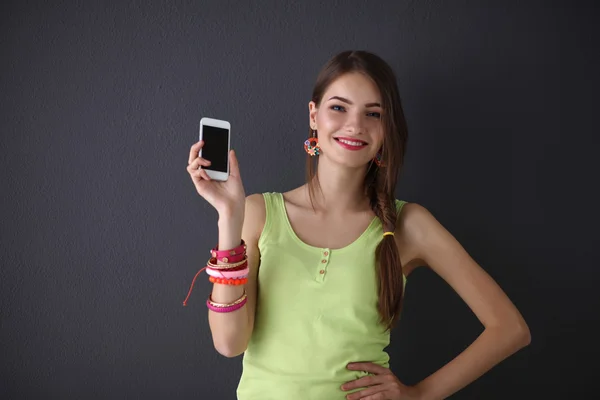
(341, 108)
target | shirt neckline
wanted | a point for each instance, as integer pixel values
(315, 248)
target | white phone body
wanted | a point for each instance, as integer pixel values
(216, 134)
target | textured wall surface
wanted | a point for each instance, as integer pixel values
(101, 230)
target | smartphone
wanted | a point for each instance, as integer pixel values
(216, 134)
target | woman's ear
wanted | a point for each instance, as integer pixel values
(312, 115)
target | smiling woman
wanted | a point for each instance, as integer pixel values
(324, 265)
(353, 121)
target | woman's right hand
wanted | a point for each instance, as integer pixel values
(228, 197)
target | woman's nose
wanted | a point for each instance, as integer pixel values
(354, 123)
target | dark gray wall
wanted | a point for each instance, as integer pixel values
(102, 230)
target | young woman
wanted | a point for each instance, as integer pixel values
(311, 293)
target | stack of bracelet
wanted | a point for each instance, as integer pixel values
(226, 267)
(233, 270)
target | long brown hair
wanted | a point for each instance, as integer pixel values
(380, 182)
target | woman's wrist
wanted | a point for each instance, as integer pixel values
(230, 233)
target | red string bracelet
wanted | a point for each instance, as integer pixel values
(191, 287)
(242, 266)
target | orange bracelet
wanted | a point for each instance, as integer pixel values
(228, 281)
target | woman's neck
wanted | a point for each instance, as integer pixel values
(341, 189)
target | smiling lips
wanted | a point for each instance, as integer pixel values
(351, 144)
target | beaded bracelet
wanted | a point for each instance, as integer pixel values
(230, 281)
(236, 255)
(241, 281)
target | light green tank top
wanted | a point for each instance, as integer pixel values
(316, 311)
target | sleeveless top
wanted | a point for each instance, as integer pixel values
(316, 311)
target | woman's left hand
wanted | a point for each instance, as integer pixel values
(383, 385)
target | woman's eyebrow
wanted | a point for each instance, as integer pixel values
(351, 103)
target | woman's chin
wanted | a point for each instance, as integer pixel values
(350, 162)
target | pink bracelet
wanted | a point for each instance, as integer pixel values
(242, 273)
(226, 309)
(231, 259)
(219, 254)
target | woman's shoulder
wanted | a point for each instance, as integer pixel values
(258, 204)
(255, 201)
(410, 212)
(411, 225)
(415, 222)
(254, 215)
(262, 210)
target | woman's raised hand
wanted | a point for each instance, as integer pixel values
(228, 197)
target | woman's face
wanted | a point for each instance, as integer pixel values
(348, 120)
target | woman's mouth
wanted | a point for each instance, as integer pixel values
(351, 144)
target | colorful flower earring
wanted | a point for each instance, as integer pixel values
(311, 145)
(377, 159)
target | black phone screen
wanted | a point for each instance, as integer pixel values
(215, 148)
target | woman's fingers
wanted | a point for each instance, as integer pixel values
(194, 151)
(197, 163)
(204, 175)
(196, 172)
(234, 166)
(204, 162)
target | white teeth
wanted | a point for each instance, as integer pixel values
(351, 143)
